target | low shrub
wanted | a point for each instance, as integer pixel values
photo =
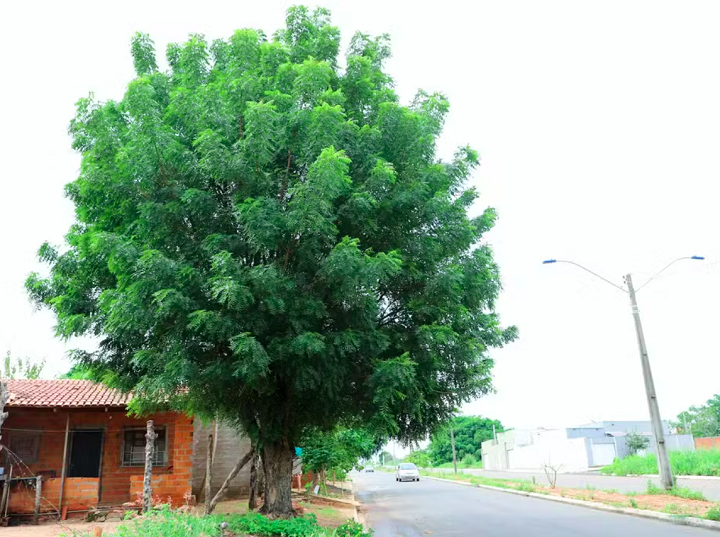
(678, 492)
(167, 523)
(713, 513)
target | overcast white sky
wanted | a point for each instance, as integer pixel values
(598, 125)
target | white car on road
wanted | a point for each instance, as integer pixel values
(407, 471)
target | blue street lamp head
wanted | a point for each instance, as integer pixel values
(698, 257)
(548, 261)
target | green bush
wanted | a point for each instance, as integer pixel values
(682, 462)
(468, 461)
(713, 513)
(351, 529)
(170, 524)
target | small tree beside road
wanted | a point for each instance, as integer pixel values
(636, 442)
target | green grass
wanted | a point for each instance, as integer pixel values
(673, 509)
(517, 484)
(713, 513)
(474, 466)
(171, 524)
(682, 463)
(678, 492)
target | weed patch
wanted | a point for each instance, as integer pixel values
(171, 524)
(678, 492)
(713, 513)
(682, 463)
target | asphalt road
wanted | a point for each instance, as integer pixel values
(419, 509)
(709, 487)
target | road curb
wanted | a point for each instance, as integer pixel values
(357, 517)
(698, 477)
(673, 519)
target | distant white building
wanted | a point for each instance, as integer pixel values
(572, 449)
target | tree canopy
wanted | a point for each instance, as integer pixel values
(470, 432)
(339, 450)
(269, 237)
(419, 458)
(701, 421)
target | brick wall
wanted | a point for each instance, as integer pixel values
(231, 446)
(80, 494)
(164, 486)
(712, 442)
(115, 480)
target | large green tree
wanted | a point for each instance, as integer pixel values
(268, 237)
(701, 421)
(470, 432)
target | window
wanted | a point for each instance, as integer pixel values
(134, 447)
(26, 446)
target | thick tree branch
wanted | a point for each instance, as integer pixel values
(223, 490)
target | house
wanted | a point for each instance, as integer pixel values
(571, 449)
(83, 428)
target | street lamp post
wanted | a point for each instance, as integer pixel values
(664, 469)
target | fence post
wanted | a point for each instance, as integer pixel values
(208, 474)
(149, 452)
(38, 495)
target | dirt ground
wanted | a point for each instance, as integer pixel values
(652, 502)
(663, 503)
(327, 515)
(55, 529)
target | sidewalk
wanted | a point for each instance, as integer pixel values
(710, 487)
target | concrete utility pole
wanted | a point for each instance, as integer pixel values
(663, 460)
(452, 443)
(666, 477)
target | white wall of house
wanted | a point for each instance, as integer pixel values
(530, 450)
(563, 454)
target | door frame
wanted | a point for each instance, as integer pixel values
(87, 429)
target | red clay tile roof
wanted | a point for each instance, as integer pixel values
(63, 394)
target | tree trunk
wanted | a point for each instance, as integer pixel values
(260, 478)
(278, 464)
(252, 502)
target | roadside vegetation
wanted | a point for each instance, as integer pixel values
(470, 432)
(468, 462)
(679, 501)
(682, 462)
(168, 523)
(701, 421)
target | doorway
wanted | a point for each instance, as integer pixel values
(85, 454)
